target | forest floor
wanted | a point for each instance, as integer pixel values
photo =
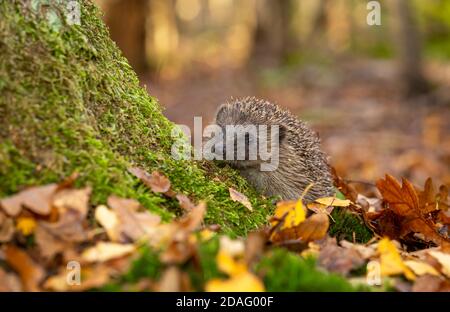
(365, 125)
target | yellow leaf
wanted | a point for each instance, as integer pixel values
(227, 264)
(245, 282)
(391, 261)
(206, 235)
(106, 251)
(26, 225)
(296, 213)
(421, 268)
(444, 260)
(333, 201)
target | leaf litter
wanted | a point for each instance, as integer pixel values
(410, 239)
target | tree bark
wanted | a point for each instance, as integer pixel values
(126, 20)
(272, 34)
(409, 48)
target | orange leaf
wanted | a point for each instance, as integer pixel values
(30, 273)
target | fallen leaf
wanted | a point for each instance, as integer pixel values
(6, 228)
(91, 277)
(313, 228)
(430, 283)
(69, 227)
(290, 213)
(366, 252)
(170, 280)
(232, 247)
(75, 199)
(49, 245)
(431, 200)
(254, 246)
(26, 225)
(391, 261)
(404, 202)
(157, 182)
(227, 264)
(241, 198)
(132, 224)
(421, 268)
(9, 282)
(104, 251)
(30, 272)
(337, 259)
(245, 282)
(38, 199)
(109, 220)
(345, 188)
(185, 202)
(333, 201)
(193, 220)
(178, 252)
(444, 260)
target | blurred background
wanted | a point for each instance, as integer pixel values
(379, 96)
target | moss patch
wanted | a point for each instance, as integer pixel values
(285, 271)
(70, 102)
(349, 226)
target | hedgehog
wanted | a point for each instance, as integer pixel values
(302, 167)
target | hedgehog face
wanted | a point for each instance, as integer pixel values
(245, 143)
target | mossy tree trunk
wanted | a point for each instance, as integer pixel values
(71, 102)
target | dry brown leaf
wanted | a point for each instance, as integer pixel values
(170, 280)
(431, 200)
(185, 202)
(366, 252)
(178, 252)
(241, 198)
(75, 199)
(9, 282)
(254, 246)
(345, 188)
(6, 228)
(337, 259)
(133, 225)
(109, 220)
(69, 227)
(313, 228)
(443, 259)
(92, 277)
(404, 202)
(194, 219)
(156, 181)
(38, 199)
(30, 272)
(429, 283)
(49, 244)
(104, 251)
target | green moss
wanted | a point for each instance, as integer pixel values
(349, 226)
(70, 102)
(285, 271)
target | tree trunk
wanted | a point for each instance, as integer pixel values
(126, 20)
(272, 34)
(70, 102)
(409, 48)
